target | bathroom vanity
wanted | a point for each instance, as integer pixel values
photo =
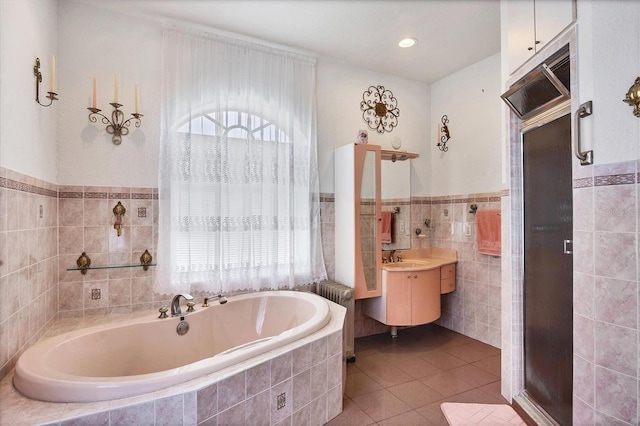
(411, 289)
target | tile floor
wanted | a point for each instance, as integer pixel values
(403, 381)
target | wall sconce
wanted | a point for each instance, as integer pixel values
(83, 263)
(117, 126)
(145, 260)
(443, 134)
(118, 211)
(52, 95)
(633, 97)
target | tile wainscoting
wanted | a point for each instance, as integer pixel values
(86, 225)
(28, 263)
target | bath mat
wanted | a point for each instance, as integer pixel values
(459, 414)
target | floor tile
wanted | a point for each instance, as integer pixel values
(467, 353)
(403, 381)
(387, 375)
(475, 396)
(443, 360)
(491, 364)
(381, 405)
(351, 415)
(433, 414)
(415, 394)
(447, 384)
(418, 368)
(360, 384)
(474, 375)
(410, 418)
(491, 350)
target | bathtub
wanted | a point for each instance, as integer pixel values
(147, 354)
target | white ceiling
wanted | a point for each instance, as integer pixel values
(452, 34)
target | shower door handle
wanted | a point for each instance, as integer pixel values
(584, 110)
(567, 247)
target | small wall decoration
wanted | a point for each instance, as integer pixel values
(379, 109)
(363, 136)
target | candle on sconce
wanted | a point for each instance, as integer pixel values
(94, 93)
(115, 89)
(136, 98)
(53, 74)
(438, 134)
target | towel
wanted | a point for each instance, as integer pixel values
(386, 227)
(489, 232)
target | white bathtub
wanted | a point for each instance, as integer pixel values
(147, 354)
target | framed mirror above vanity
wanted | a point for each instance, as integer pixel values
(395, 197)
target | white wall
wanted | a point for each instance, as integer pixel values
(609, 62)
(340, 88)
(28, 29)
(96, 42)
(471, 100)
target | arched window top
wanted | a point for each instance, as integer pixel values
(235, 124)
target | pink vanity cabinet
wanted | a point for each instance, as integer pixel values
(408, 298)
(447, 278)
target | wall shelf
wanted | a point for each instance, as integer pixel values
(387, 154)
(84, 263)
(134, 265)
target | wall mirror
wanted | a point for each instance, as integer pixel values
(368, 222)
(396, 192)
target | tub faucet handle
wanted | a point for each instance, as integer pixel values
(163, 312)
(190, 306)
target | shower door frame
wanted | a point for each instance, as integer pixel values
(512, 387)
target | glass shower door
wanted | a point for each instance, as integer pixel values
(548, 267)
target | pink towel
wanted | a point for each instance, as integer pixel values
(489, 232)
(386, 227)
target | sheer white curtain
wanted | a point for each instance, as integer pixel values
(238, 178)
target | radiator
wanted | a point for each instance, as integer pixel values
(342, 295)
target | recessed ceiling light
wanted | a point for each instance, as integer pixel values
(407, 42)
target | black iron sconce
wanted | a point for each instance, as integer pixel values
(443, 134)
(51, 95)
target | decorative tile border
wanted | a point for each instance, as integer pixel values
(583, 183)
(327, 197)
(103, 195)
(607, 180)
(623, 179)
(25, 187)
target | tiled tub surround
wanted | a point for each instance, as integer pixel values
(86, 224)
(28, 263)
(309, 372)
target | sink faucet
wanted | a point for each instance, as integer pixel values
(175, 303)
(391, 258)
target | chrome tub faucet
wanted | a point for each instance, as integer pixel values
(175, 304)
